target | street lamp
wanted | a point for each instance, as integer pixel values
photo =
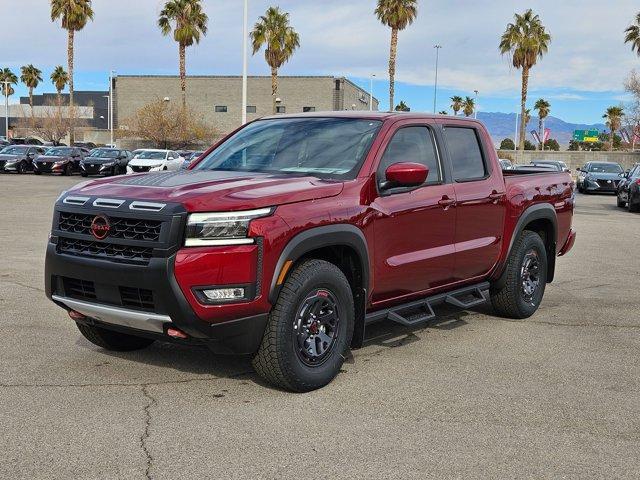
(475, 105)
(371, 91)
(6, 109)
(111, 106)
(245, 35)
(435, 85)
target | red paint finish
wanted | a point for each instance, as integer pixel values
(420, 240)
(407, 173)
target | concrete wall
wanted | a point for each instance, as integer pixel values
(204, 93)
(572, 159)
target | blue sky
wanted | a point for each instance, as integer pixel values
(582, 74)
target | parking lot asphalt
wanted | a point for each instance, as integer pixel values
(468, 396)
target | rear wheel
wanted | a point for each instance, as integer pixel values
(110, 340)
(309, 329)
(526, 278)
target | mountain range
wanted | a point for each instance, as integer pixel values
(503, 125)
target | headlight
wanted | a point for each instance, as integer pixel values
(226, 228)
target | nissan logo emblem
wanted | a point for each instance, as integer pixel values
(100, 227)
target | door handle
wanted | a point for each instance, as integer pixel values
(446, 202)
(495, 196)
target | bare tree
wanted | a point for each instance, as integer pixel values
(632, 110)
(167, 125)
(52, 123)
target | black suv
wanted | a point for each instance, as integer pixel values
(19, 158)
(629, 189)
(63, 160)
(105, 161)
(599, 177)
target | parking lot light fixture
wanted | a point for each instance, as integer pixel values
(245, 36)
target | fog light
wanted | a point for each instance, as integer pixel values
(224, 294)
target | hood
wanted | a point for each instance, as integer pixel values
(206, 191)
(146, 162)
(604, 176)
(11, 157)
(98, 160)
(52, 158)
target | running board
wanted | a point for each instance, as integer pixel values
(420, 311)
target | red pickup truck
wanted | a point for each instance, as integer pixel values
(285, 239)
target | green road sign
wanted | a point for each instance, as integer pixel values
(589, 136)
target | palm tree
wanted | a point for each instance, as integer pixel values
(31, 77)
(468, 106)
(402, 107)
(397, 15)
(190, 24)
(59, 78)
(273, 31)
(527, 118)
(6, 75)
(633, 35)
(544, 108)
(74, 15)
(456, 104)
(526, 40)
(613, 117)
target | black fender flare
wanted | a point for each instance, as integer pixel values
(320, 237)
(540, 211)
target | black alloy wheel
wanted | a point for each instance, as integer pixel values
(530, 275)
(22, 167)
(316, 327)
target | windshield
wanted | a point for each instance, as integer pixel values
(104, 153)
(605, 168)
(14, 150)
(323, 147)
(151, 155)
(58, 152)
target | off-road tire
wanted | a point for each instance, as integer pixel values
(277, 360)
(110, 340)
(509, 300)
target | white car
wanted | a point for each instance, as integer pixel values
(152, 160)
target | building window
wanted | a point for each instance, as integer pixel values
(281, 109)
(251, 109)
(308, 109)
(221, 109)
(337, 83)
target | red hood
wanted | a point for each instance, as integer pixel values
(201, 191)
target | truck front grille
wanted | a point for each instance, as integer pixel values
(108, 251)
(125, 228)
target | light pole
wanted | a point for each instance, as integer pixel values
(435, 85)
(515, 142)
(475, 105)
(371, 91)
(111, 106)
(245, 34)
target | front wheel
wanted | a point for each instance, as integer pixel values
(621, 203)
(526, 278)
(83, 173)
(22, 167)
(111, 340)
(309, 329)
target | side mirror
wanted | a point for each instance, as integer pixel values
(405, 174)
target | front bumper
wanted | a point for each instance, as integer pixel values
(48, 167)
(96, 168)
(610, 186)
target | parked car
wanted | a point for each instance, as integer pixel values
(189, 158)
(153, 160)
(297, 231)
(4, 143)
(536, 168)
(25, 141)
(558, 164)
(105, 161)
(19, 158)
(629, 189)
(63, 160)
(505, 164)
(599, 177)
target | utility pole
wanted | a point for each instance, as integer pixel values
(111, 106)
(435, 85)
(245, 35)
(6, 109)
(371, 92)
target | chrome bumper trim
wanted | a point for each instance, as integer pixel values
(151, 322)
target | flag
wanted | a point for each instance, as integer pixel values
(535, 135)
(547, 134)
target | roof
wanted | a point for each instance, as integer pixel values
(371, 115)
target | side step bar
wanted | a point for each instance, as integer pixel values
(420, 311)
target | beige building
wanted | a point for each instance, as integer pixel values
(218, 98)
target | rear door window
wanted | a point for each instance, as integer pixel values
(467, 161)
